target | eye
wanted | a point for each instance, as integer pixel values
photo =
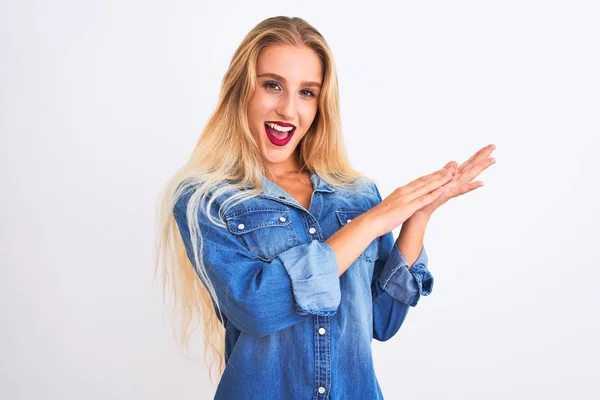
(308, 93)
(272, 86)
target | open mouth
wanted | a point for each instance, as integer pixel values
(279, 133)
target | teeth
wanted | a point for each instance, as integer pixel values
(279, 128)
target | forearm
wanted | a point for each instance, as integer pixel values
(351, 240)
(410, 240)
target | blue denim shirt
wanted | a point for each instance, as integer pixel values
(294, 328)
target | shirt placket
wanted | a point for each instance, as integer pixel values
(322, 357)
(322, 324)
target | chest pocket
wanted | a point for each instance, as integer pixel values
(346, 216)
(265, 232)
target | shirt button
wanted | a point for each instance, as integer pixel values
(348, 221)
(317, 193)
(312, 231)
(321, 390)
(241, 226)
(282, 219)
(321, 331)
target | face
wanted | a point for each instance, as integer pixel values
(285, 102)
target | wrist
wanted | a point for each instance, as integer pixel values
(370, 223)
(420, 216)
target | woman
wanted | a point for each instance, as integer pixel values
(283, 249)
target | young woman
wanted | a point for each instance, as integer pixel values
(281, 247)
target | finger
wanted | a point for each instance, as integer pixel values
(449, 167)
(469, 174)
(411, 186)
(472, 158)
(470, 187)
(425, 200)
(482, 153)
(464, 164)
(451, 164)
(429, 186)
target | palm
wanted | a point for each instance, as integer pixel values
(461, 182)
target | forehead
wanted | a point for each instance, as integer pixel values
(294, 63)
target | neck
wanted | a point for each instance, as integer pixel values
(290, 167)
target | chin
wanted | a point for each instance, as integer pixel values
(275, 157)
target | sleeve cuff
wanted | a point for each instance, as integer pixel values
(406, 284)
(315, 278)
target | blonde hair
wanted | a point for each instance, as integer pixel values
(227, 155)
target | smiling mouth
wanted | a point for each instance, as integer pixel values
(279, 134)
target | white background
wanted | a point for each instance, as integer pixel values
(101, 101)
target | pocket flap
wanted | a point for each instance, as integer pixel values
(256, 219)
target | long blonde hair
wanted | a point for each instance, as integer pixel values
(227, 153)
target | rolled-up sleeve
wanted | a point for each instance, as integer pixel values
(314, 273)
(262, 297)
(405, 284)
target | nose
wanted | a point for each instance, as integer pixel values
(286, 107)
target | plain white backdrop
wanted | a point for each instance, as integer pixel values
(101, 101)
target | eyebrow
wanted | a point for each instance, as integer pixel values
(281, 78)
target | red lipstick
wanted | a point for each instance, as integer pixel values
(279, 141)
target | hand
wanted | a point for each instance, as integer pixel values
(462, 177)
(405, 200)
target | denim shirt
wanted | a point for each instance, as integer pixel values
(294, 328)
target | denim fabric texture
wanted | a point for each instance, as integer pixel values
(294, 328)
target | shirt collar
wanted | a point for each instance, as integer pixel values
(271, 189)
